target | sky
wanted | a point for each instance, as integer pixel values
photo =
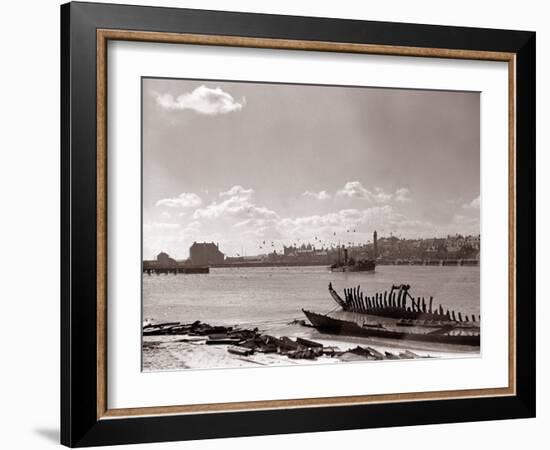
(255, 166)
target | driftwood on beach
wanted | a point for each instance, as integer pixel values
(246, 342)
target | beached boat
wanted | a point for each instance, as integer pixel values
(444, 333)
(397, 303)
(397, 315)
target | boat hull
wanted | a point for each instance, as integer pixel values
(330, 325)
(394, 307)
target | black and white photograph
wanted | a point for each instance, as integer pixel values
(275, 225)
(290, 224)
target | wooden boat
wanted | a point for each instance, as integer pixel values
(449, 333)
(398, 303)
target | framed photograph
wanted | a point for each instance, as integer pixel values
(276, 224)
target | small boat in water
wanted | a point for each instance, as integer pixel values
(352, 265)
(365, 265)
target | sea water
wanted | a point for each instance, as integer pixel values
(269, 295)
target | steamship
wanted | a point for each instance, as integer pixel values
(349, 264)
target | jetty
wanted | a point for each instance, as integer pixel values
(164, 264)
(427, 262)
(151, 267)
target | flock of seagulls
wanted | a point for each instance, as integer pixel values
(270, 245)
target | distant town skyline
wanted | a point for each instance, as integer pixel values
(256, 166)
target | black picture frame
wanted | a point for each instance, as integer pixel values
(80, 425)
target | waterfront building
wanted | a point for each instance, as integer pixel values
(473, 242)
(205, 253)
(164, 260)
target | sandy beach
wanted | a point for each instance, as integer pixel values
(191, 352)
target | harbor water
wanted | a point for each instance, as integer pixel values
(270, 295)
(272, 299)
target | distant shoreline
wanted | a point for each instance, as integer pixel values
(427, 263)
(418, 263)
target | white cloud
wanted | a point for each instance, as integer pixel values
(192, 227)
(402, 195)
(464, 225)
(354, 189)
(380, 196)
(236, 206)
(352, 224)
(172, 238)
(184, 200)
(159, 227)
(466, 220)
(337, 221)
(473, 205)
(159, 236)
(321, 195)
(202, 100)
(238, 191)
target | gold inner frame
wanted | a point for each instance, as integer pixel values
(104, 35)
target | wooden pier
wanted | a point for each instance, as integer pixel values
(151, 269)
(427, 262)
